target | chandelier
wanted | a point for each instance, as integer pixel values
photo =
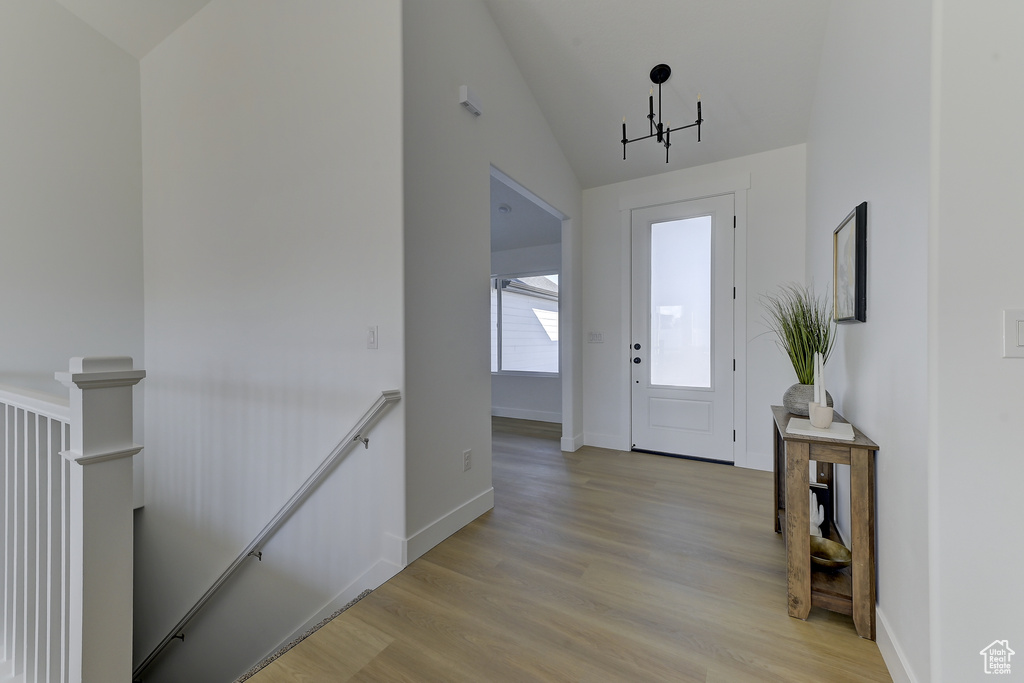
(661, 131)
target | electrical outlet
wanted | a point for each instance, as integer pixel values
(467, 460)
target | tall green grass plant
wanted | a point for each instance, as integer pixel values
(804, 325)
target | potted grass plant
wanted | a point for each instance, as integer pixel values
(804, 326)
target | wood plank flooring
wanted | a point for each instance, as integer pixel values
(597, 565)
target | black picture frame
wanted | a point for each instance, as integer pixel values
(850, 267)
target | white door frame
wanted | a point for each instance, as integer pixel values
(737, 186)
(672, 417)
(569, 361)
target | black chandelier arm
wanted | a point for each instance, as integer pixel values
(659, 130)
(691, 125)
(666, 130)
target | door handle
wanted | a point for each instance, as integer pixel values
(637, 360)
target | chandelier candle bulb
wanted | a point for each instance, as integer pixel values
(699, 118)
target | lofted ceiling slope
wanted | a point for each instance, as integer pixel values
(587, 62)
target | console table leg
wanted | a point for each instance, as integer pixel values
(798, 544)
(862, 516)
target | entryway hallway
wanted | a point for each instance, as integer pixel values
(598, 565)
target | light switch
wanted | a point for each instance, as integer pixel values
(371, 337)
(1013, 333)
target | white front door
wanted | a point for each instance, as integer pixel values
(682, 349)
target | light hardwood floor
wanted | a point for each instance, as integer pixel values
(597, 565)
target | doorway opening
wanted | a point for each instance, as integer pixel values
(526, 290)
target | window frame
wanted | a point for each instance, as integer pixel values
(495, 279)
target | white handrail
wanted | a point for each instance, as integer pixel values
(47, 405)
(355, 435)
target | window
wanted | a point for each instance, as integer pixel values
(524, 323)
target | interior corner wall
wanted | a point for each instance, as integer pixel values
(869, 141)
(448, 157)
(70, 196)
(273, 241)
(978, 396)
(775, 254)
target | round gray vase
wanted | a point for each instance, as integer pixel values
(798, 396)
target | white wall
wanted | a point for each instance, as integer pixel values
(775, 254)
(868, 141)
(273, 233)
(70, 197)
(519, 396)
(527, 397)
(977, 396)
(448, 154)
(537, 259)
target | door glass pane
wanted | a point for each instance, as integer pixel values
(680, 339)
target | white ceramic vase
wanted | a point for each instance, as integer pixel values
(821, 416)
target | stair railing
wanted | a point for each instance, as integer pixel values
(34, 481)
(356, 435)
(66, 527)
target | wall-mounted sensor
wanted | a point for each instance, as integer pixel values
(469, 100)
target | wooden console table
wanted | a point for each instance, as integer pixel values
(852, 589)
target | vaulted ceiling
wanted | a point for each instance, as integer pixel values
(753, 62)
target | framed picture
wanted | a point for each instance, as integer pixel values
(850, 267)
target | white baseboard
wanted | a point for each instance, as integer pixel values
(393, 551)
(892, 653)
(426, 538)
(396, 554)
(369, 580)
(616, 443)
(526, 414)
(571, 445)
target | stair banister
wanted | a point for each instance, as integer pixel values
(101, 521)
(358, 434)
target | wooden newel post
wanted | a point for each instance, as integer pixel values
(101, 520)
